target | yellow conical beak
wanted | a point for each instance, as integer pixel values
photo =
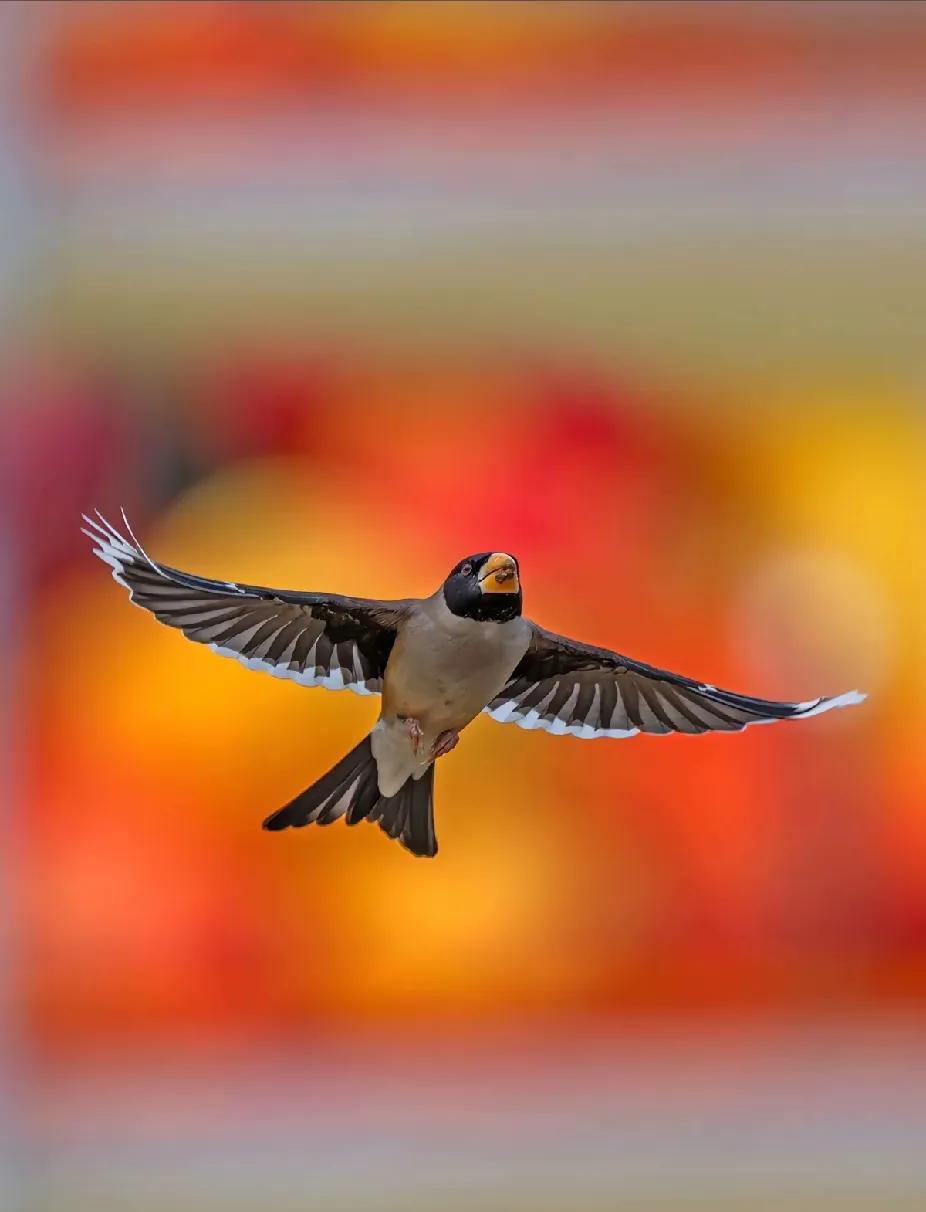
(499, 574)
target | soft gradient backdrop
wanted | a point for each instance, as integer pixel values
(327, 296)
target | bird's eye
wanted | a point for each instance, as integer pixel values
(466, 570)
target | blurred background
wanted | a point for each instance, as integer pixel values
(327, 295)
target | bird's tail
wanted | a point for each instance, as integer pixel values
(350, 789)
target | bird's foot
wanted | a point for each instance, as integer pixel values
(444, 743)
(414, 730)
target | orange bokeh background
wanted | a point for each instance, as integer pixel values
(573, 876)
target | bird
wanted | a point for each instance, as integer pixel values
(437, 663)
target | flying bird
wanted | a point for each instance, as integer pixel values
(437, 662)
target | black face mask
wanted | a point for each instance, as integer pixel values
(467, 599)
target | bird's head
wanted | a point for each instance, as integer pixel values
(485, 587)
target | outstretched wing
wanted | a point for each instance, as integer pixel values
(316, 639)
(570, 688)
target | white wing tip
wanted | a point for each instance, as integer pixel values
(851, 698)
(111, 547)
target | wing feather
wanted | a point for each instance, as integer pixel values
(315, 639)
(567, 687)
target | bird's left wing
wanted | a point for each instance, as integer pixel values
(317, 639)
(566, 687)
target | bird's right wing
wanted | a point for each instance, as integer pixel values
(567, 687)
(316, 639)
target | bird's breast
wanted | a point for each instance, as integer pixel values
(444, 671)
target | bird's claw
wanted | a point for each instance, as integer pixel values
(444, 743)
(415, 733)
